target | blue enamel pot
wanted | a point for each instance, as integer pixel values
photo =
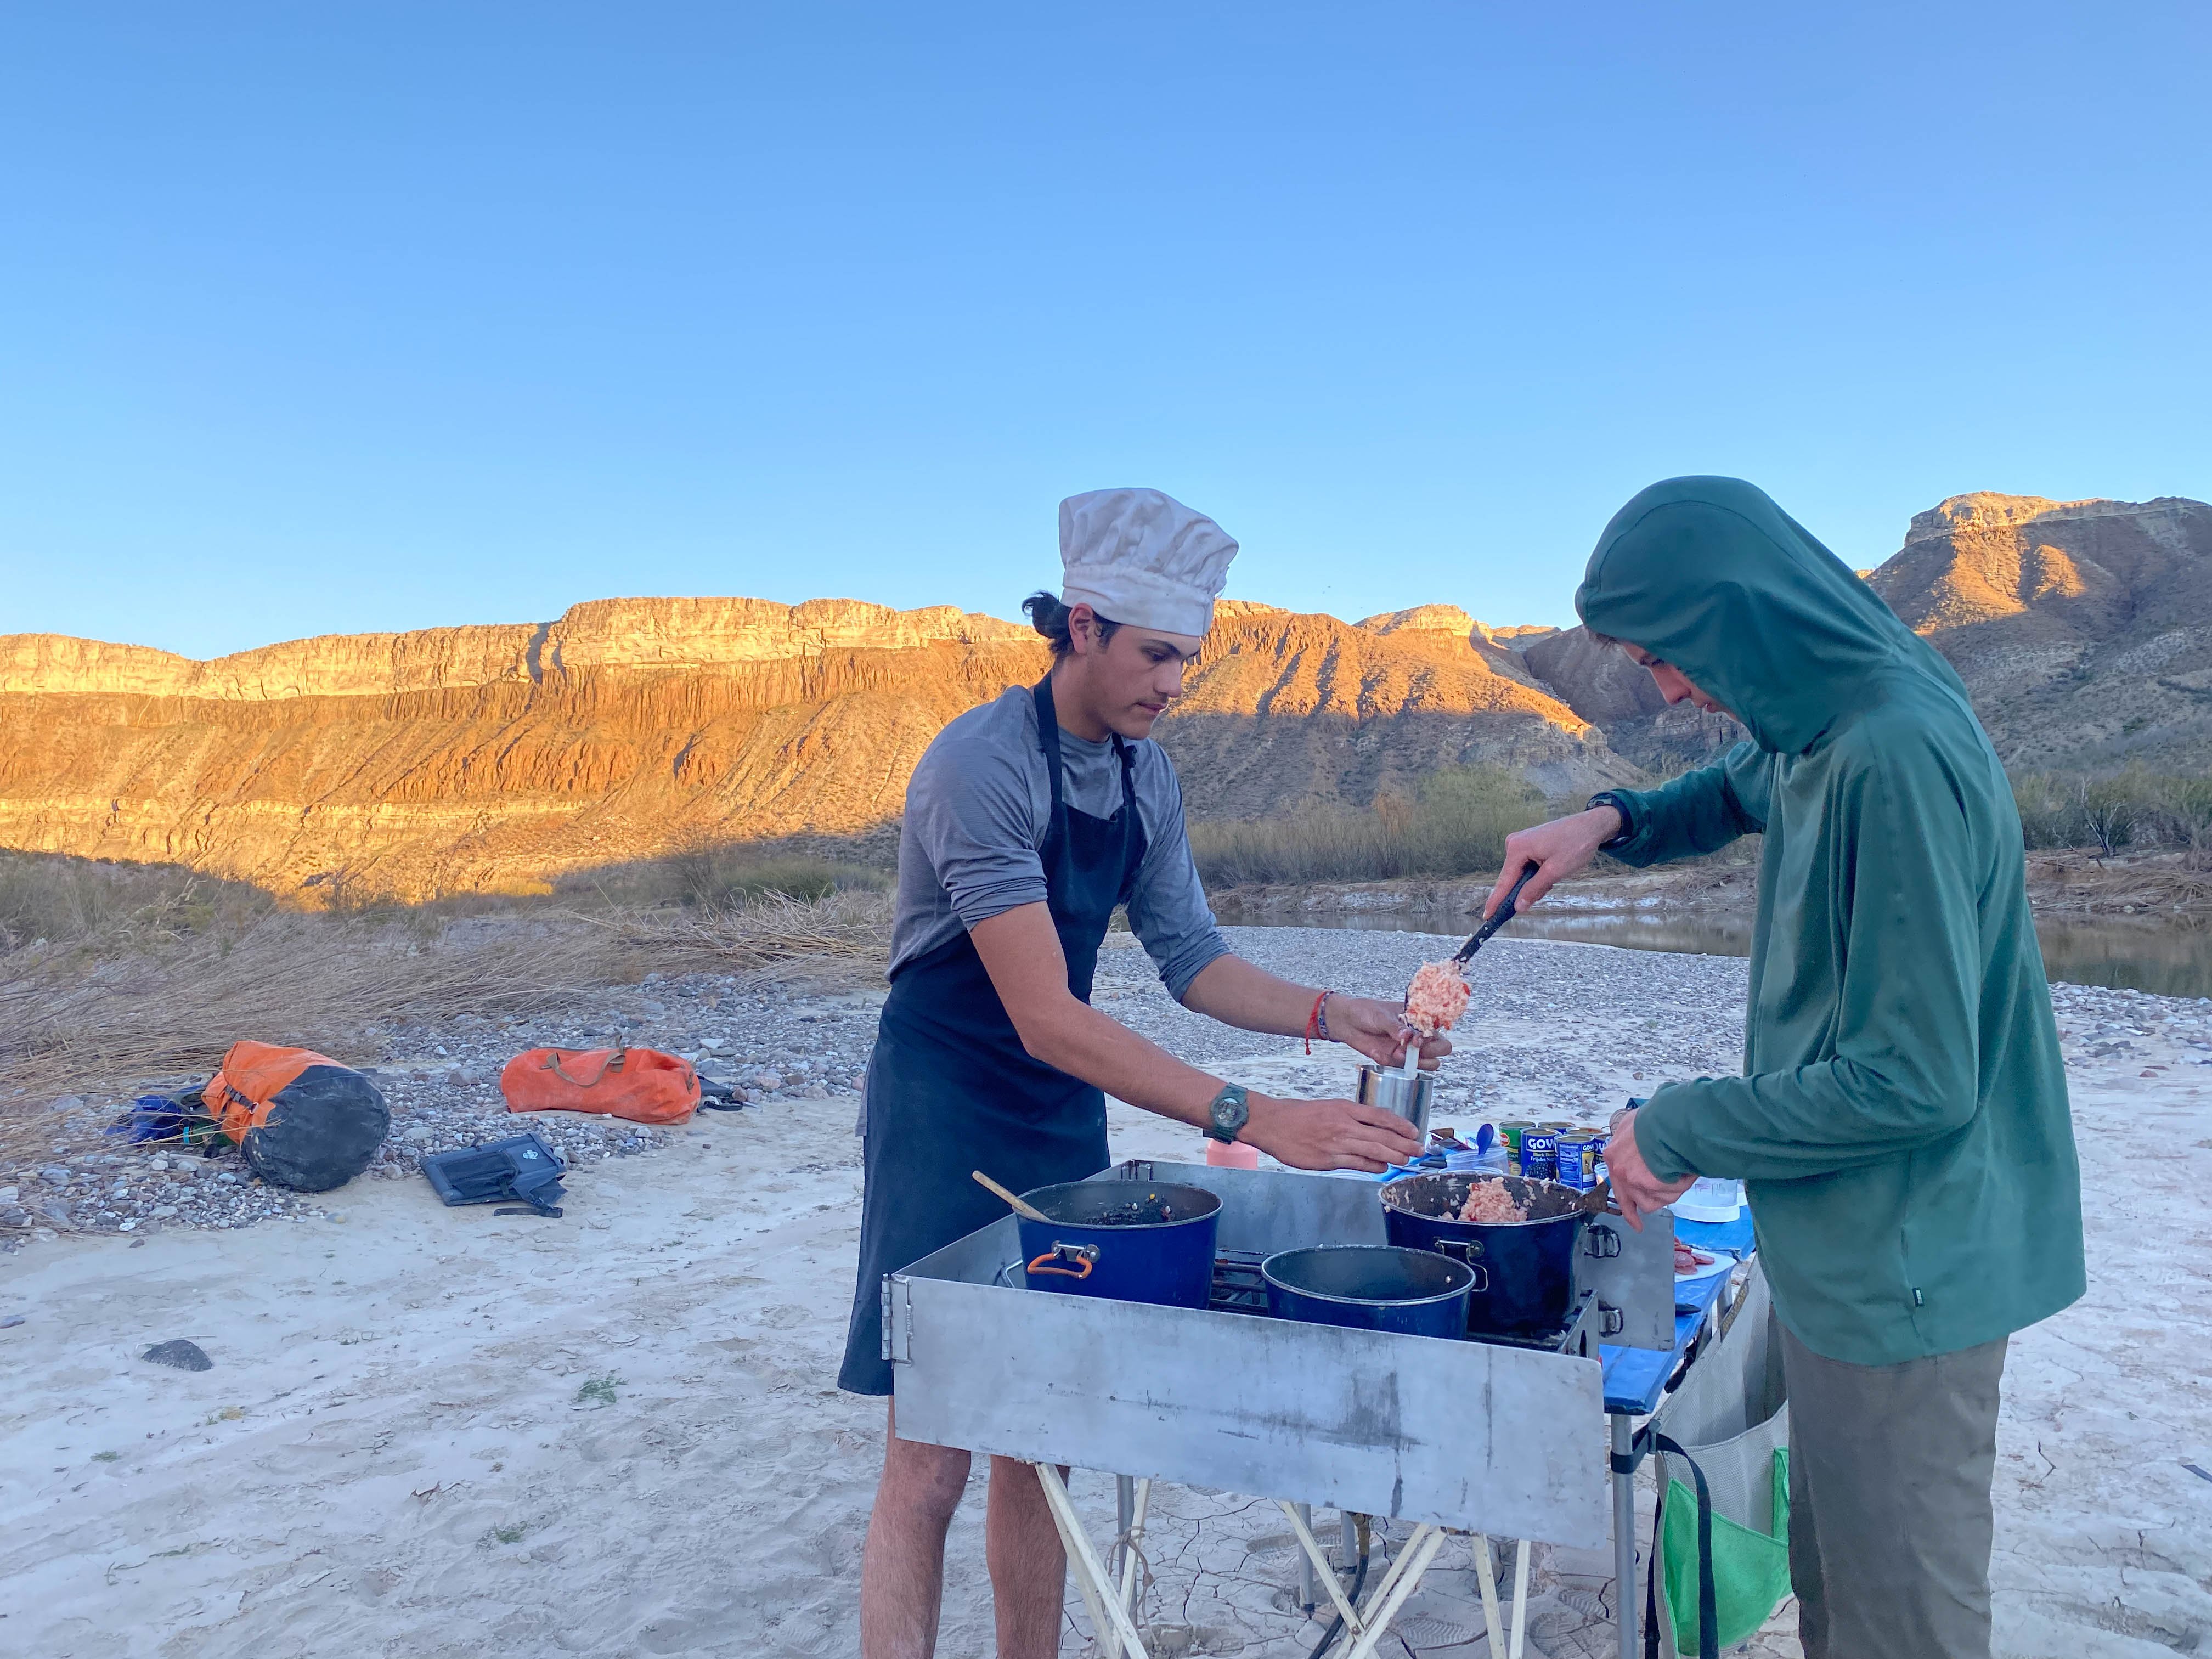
(1528, 1265)
(1128, 1241)
(1370, 1287)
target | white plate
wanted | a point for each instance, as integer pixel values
(1719, 1264)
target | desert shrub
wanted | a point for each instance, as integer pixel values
(1454, 825)
(55, 899)
(2104, 812)
(724, 875)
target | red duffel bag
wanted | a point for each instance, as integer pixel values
(642, 1084)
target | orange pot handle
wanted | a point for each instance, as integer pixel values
(1085, 1257)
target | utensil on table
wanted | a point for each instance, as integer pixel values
(1020, 1206)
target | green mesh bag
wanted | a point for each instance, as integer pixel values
(1721, 1537)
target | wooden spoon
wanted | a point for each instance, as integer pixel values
(1595, 1200)
(1022, 1206)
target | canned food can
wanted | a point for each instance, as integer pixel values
(1540, 1155)
(1575, 1159)
(1510, 1134)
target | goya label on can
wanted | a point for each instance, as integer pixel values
(1576, 1158)
(1540, 1155)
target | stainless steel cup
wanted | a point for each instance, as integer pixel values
(1393, 1091)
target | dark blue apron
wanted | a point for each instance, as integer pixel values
(950, 1087)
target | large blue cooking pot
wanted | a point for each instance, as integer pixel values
(1129, 1240)
(1530, 1265)
(1370, 1287)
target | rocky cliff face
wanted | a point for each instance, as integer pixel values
(2083, 631)
(2082, 628)
(471, 759)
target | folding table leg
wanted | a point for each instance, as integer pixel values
(1133, 1550)
(1117, 1633)
(1306, 1590)
(1124, 1510)
(1520, 1598)
(1486, 1575)
(1624, 1533)
(1322, 1570)
(1419, 1553)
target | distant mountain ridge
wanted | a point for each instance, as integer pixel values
(2083, 631)
(488, 758)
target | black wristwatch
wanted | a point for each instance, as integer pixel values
(1607, 798)
(1227, 1115)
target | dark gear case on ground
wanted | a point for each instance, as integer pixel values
(521, 1167)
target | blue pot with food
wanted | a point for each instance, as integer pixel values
(1128, 1241)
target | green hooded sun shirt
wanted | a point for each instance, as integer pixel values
(1901, 1124)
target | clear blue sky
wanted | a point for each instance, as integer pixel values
(337, 317)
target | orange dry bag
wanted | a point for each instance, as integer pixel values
(642, 1084)
(302, 1120)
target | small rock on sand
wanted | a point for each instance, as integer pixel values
(179, 1355)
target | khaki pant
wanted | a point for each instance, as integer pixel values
(1889, 1503)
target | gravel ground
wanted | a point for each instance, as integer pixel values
(1661, 1015)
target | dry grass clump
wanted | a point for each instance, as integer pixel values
(777, 935)
(1456, 826)
(720, 875)
(51, 898)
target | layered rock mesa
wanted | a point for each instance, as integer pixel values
(2083, 631)
(492, 758)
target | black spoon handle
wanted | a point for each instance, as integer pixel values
(1498, 918)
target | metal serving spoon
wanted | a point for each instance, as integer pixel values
(1498, 918)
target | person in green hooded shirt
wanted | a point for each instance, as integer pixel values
(1901, 1124)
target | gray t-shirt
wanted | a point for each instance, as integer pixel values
(976, 812)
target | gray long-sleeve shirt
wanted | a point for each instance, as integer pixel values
(978, 808)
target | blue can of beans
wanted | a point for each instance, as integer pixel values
(1574, 1156)
(1540, 1155)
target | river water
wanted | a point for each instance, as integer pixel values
(2171, 957)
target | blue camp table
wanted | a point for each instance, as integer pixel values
(1636, 1380)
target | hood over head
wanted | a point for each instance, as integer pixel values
(1711, 575)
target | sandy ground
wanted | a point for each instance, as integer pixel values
(432, 1433)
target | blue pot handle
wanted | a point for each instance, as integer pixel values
(1463, 1253)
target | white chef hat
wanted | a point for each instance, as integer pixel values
(1141, 557)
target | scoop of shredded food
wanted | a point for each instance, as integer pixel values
(1436, 998)
(1487, 1201)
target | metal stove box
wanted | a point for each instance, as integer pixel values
(1475, 1435)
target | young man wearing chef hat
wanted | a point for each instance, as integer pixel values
(1901, 1123)
(1027, 822)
